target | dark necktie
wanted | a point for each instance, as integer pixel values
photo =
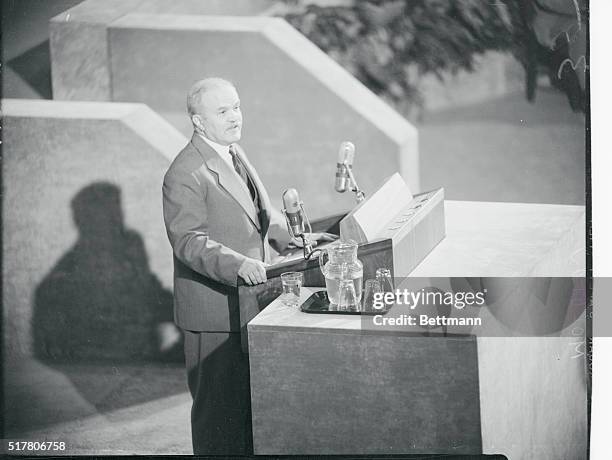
(238, 166)
(241, 171)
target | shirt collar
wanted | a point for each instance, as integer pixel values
(222, 150)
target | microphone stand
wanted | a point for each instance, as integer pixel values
(306, 244)
(359, 194)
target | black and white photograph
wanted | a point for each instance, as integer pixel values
(305, 228)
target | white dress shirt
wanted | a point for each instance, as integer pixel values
(222, 151)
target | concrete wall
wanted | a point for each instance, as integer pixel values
(26, 65)
(87, 269)
(298, 104)
(543, 381)
(78, 39)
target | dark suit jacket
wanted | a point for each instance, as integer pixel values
(213, 226)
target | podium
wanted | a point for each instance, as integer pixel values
(350, 390)
(394, 229)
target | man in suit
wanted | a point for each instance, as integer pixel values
(220, 224)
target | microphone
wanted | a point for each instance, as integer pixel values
(297, 220)
(294, 212)
(346, 155)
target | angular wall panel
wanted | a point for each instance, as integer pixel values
(78, 39)
(87, 269)
(298, 104)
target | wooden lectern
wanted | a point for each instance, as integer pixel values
(394, 229)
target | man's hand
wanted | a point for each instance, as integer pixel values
(314, 239)
(252, 271)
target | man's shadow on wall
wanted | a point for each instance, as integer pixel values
(100, 301)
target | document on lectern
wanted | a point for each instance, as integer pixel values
(414, 223)
(369, 218)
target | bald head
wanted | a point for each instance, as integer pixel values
(214, 109)
(200, 88)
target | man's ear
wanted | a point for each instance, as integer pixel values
(196, 120)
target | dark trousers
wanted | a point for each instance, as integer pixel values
(218, 378)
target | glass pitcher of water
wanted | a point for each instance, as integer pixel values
(342, 264)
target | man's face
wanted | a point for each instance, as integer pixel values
(220, 117)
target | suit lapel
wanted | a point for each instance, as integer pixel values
(226, 178)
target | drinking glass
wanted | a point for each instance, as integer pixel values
(291, 282)
(372, 287)
(348, 297)
(383, 276)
